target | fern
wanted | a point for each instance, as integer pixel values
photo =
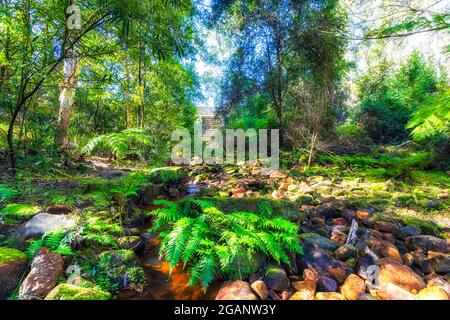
(53, 240)
(213, 244)
(119, 143)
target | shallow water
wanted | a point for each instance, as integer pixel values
(160, 287)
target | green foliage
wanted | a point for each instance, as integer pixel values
(213, 244)
(433, 118)
(389, 97)
(121, 143)
(350, 132)
(7, 192)
(19, 211)
(54, 240)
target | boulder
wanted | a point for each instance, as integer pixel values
(434, 280)
(427, 243)
(40, 224)
(276, 278)
(43, 277)
(260, 289)
(329, 296)
(410, 231)
(383, 248)
(326, 284)
(66, 291)
(322, 263)
(345, 252)
(390, 291)
(393, 272)
(235, 290)
(322, 242)
(305, 290)
(437, 263)
(13, 264)
(353, 287)
(432, 293)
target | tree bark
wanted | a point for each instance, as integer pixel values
(68, 87)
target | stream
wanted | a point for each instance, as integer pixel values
(160, 286)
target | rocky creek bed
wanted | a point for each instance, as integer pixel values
(353, 249)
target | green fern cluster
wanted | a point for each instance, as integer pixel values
(119, 143)
(215, 244)
(55, 241)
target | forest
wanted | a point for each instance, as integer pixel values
(350, 100)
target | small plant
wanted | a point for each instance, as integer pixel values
(119, 144)
(54, 240)
(213, 244)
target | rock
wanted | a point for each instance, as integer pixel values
(432, 293)
(40, 224)
(329, 296)
(318, 221)
(348, 214)
(322, 242)
(345, 252)
(131, 243)
(434, 280)
(353, 287)
(305, 290)
(326, 284)
(433, 204)
(339, 222)
(167, 175)
(66, 291)
(319, 260)
(115, 264)
(43, 277)
(427, 243)
(363, 215)
(59, 209)
(260, 289)
(235, 290)
(437, 263)
(383, 248)
(13, 264)
(386, 226)
(338, 236)
(408, 259)
(401, 247)
(389, 291)
(276, 278)
(393, 272)
(273, 295)
(364, 265)
(410, 231)
(367, 297)
(286, 295)
(149, 194)
(277, 175)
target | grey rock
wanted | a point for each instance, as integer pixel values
(276, 278)
(40, 224)
(427, 243)
(322, 242)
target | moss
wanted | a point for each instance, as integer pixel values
(427, 227)
(167, 174)
(10, 254)
(19, 211)
(66, 291)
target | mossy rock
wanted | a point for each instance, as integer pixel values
(9, 254)
(66, 291)
(18, 212)
(117, 258)
(167, 175)
(13, 264)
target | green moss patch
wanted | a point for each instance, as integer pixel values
(19, 211)
(66, 291)
(10, 254)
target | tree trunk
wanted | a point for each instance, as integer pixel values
(68, 88)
